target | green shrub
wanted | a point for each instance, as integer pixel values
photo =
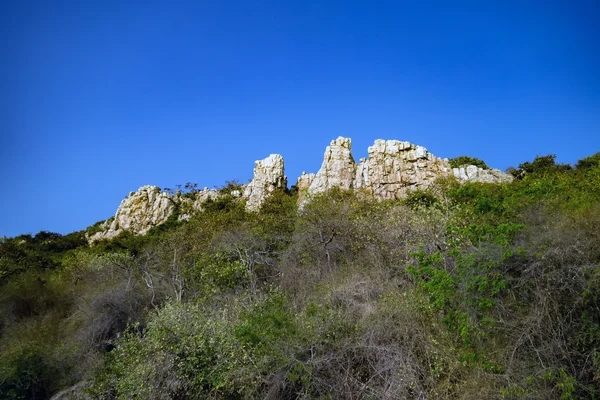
(541, 165)
(589, 162)
(26, 373)
(461, 161)
(418, 198)
(184, 352)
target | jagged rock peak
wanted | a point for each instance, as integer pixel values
(392, 169)
(139, 212)
(150, 206)
(268, 176)
(338, 168)
(395, 167)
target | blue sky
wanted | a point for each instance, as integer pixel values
(101, 97)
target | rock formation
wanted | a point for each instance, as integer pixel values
(391, 170)
(394, 167)
(303, 183)
(139, 212)
(150, 206)
(190, 203)
(338, 168)
(476, 174)
(268, 176)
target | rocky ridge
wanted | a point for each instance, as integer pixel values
(391, 170)
(150, 206)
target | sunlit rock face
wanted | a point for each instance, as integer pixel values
(150, 206)
(471, 173)
(139, 212)
(268, 176)
(302, 184)
(392, 169)
(338, 168)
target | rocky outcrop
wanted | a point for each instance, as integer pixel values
(268, 176)
(139, 212)
(303, 183)
(150, 206)
(472, 173)
(192, 202)
(338, 168)
(394, 167)
(391, 170)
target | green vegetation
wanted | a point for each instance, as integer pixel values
(461, 291)
(460, 161)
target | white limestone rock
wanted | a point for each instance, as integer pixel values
(268, 176)
(472, 173)
(304, 181)
(391, 170)
(338, 168)
(139, 212)
(394, 167)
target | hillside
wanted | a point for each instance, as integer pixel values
(401, 276)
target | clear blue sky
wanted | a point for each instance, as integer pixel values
(98, 98)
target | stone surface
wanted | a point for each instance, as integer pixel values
(303, 183)
(139, 212)
(391, 170)
(338, 168)
(268, 176)
(394, 167)
(472, 173)
(150, 206)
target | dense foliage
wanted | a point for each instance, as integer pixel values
(461, 161)
(461, 291)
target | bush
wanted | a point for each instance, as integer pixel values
(420, 199)
(184, 352)
(461, 291)
(26, 373)
(589, 162)
(461, 161)
(541, 165)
